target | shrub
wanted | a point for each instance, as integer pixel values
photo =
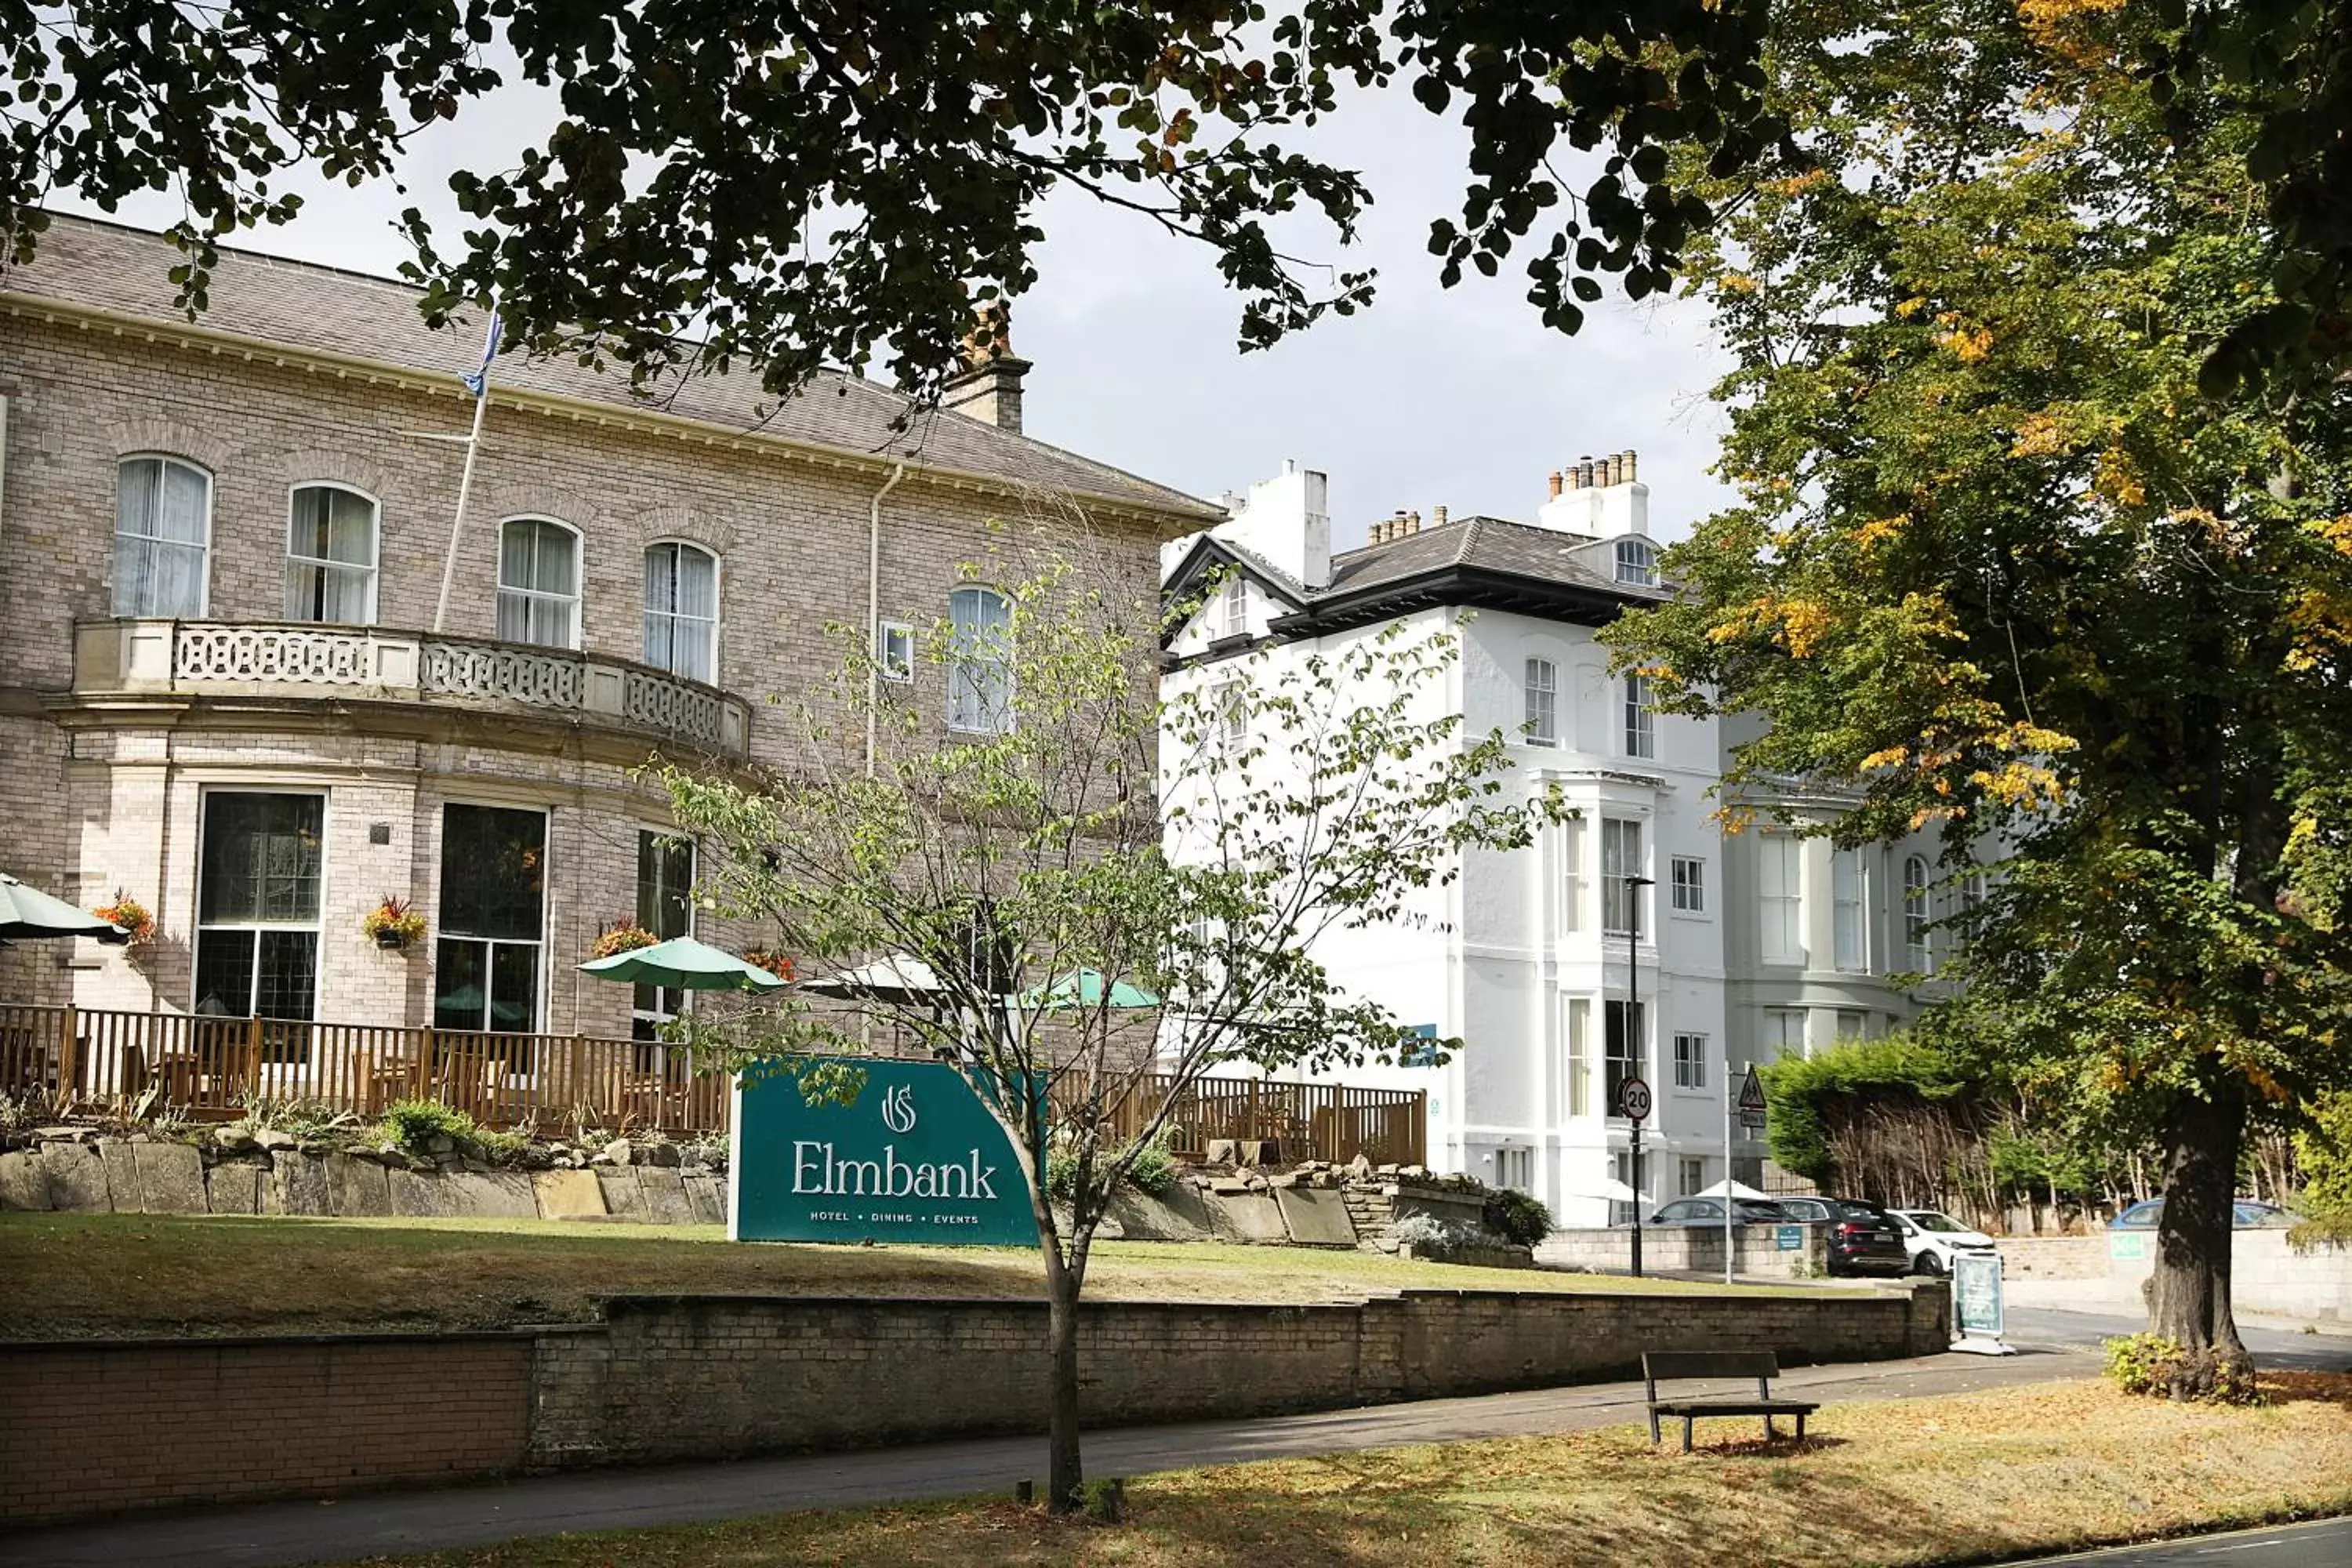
(1516, 1217)
(2161, 1365)
(412, 1124)
(502, 1148)
(1154, 1171)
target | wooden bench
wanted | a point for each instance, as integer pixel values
(1761, 1366)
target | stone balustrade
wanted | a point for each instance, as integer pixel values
(345, 664)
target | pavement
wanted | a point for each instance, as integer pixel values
(2051, 1345)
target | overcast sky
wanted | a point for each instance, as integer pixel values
(1435, 397)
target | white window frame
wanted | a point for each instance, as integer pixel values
(1571, 881)
(1514, 1167)
(1640, 728)
(1231, 721)
(1575, 1029)
(1542, 687)
(1849, 912)
(1229, 610)
(1776, 1035)
(114, 563)
(295, 558)
(894, 651)
(1688, 874)
(960, 658)
(316, 925)
(1690, 1060)
(1781, 897)
(573, 601)
(1690, 1176)
(1918, 916)
(1636, 561)
(1853, 1023)
(676, 616)
(546, 942)
(1617, 893)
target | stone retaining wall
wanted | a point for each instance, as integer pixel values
(164, 1176)
(94, 1429)
(2107, 1271)
(1688, 1249)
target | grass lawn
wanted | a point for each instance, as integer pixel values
(76, 1276)
(1923, 1480)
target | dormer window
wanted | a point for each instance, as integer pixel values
(1229, 611)
(1637, 562)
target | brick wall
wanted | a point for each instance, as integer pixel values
(101, 1429)
(669, 1378)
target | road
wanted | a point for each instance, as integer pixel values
(266, 1535)
(2325, 1543)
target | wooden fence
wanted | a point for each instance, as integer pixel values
(215, 1068)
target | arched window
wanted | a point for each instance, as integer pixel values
(330, 555)
(1637, 562)
(1917, 950)
(538, 582)
(979, 666)
(682, 611)
(162, 537)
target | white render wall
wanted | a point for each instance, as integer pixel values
(1499, 956)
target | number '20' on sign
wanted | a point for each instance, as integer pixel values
(1633, 1099)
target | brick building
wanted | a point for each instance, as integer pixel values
(222, 542)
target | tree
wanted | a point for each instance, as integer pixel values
(1079, 958)
(791, 185)
(2000, 564)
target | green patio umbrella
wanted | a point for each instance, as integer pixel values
(683, 964)
(1083, 988)
(30, 912)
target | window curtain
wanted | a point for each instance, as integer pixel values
(330, 557)
(538, 584)
(162, 522)
(682, 610)
(980, 676)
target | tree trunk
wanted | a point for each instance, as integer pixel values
(2189, 1291)
(1064, 1470)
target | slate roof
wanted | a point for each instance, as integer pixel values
(109, 267)
(1485, 561)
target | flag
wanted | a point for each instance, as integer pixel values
(478, 382)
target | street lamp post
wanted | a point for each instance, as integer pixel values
(1634, 1041)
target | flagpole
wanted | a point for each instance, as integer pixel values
(458, 522)
(479, 385)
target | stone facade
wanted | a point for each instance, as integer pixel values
(300, 375)
(106, 1428)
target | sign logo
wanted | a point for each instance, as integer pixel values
(898, 1109)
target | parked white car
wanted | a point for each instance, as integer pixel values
(1935, 1239)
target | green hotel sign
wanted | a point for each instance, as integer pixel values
(916, 1157)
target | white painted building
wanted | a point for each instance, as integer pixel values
(1558, 970)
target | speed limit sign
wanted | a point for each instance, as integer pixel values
(1633, 1099)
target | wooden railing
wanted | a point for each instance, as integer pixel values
(211, 1069)
(215, 1068)
(1309, 1121)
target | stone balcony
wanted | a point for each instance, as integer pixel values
(277, 662)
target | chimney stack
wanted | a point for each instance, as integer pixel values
(1554, 484)
(1438, 521)
(1584, 473)
(1630, 461)
(989, 390)
(1412, 522)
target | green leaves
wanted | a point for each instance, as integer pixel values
(824, 182)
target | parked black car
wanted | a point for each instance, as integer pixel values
(1710, 1210)
(1864, 1238)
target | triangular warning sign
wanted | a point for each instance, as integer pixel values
(1752, 1094)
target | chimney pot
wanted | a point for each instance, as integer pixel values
(1632, 459)
(1584, 473)
(1554, 484)
(989, 388)
(1412, 522)
(1438, 521)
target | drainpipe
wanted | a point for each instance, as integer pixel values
(873, 607)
